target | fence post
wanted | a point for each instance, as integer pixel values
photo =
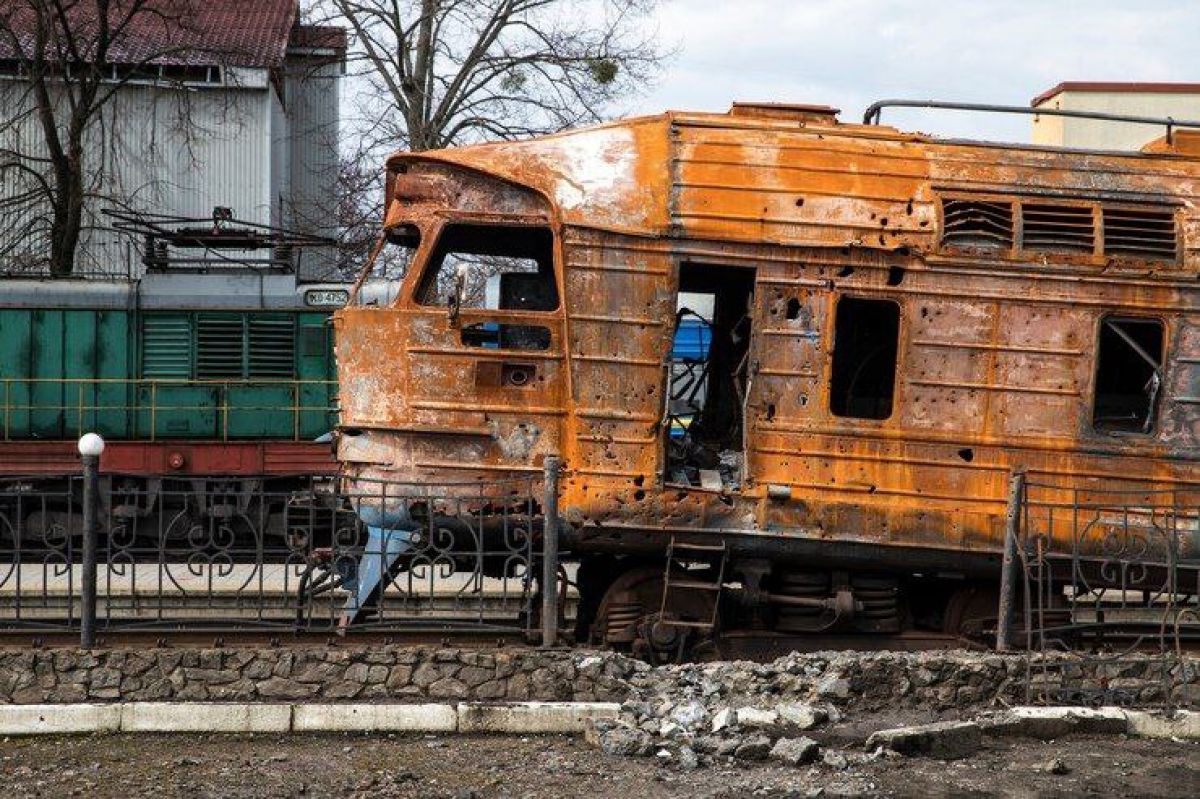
(90, 447)
(1008, 569)
(550, 552)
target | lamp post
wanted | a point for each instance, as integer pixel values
(90, 447)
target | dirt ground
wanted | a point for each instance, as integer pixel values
(127, 766)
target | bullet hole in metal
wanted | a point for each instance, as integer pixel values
(895, 275)
(845, 271)
(908, 209)
(770, 411)
(793, 308)
(639, 495)
(967, 454)
(799, 202)
(883, 222)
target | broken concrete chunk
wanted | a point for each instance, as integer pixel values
(1048, 723)
(626, 742)
(802, 717)
(753, 747)
(725, 719)
(948, 740)
(833, 686)
(689, 715)
(795, 751)
(755, 718)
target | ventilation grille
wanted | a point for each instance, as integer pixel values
(272, 351)
(1059, 228)
(1148, 234)
(166, 347)
(219, 346)
(977, 223)
(1071, 228)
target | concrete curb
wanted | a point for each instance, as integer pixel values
(215, 717)
(512, 718)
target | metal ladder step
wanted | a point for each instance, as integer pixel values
(697, 585)
(710, 550)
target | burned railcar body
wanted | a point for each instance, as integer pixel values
(899, 323)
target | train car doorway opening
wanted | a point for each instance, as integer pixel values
(708, 375)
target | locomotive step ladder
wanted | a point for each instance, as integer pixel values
(717, 555)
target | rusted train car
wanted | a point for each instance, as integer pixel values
(899, 323)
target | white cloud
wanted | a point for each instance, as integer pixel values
(847, 53)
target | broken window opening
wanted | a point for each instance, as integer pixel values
(866, 345)
(708, 372)
(1129, 360)
(397, 256)
(492, 267)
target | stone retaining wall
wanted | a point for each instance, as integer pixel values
(937, 680)
(388, 673)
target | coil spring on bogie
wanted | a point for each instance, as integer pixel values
(619, 620)
(808, 584)
(878, 599)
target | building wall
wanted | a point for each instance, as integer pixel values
(162, 150)
(311, 98)
(1095, 134)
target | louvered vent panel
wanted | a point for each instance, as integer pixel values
(977, 223)
(1141, 233)
(273, 347)
(219, 346)
(1058, 228)
(166, 347)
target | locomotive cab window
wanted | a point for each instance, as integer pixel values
(866, 343)
(1128, 374)
(491, 267)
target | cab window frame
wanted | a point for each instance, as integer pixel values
(425, 261)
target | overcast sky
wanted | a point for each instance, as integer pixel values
(847, 53)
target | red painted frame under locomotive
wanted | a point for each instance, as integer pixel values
(173, 458)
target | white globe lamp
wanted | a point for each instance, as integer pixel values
(91, 445)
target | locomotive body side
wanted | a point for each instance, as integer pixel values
(899, 324)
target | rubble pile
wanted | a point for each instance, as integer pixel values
(787, 710)
(697, 714)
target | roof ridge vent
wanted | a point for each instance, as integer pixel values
(792, 112)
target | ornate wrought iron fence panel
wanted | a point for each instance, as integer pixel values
(264, 554)
(39, 535)
(1112, 580)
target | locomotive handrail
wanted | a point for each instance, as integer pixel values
(874, 113)
(83, 405)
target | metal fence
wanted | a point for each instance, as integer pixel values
(1111, 580)
(212, 555)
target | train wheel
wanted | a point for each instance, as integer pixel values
(631, 617)
(971, 613)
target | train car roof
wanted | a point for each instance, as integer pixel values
(795, 175)
(234, 292)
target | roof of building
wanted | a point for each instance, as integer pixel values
(1115, 87)
(319, 37)
(250, 33)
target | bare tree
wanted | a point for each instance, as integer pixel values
(437, 73)
(64, 63)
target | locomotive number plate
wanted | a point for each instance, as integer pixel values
(326, 298)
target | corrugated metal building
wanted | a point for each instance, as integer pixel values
(242, 114)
